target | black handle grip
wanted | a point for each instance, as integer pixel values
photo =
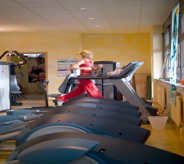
(3, 54)
(25, 61)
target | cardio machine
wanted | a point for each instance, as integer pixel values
(130, 153)
(88, 148)
(128, 114)
(117, 79)
(122, 83)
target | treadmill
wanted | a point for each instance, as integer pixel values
(122, 83)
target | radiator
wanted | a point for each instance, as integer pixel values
(176, 111)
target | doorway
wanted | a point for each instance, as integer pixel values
(31, 74)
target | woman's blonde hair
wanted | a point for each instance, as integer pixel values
(83, 52)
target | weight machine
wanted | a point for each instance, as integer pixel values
(10, 80)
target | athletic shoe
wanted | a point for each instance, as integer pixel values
(60, 103)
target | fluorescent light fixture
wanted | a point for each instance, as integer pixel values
(91, 18)
(83, 8)
(3, 29)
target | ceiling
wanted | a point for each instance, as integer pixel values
(109, 16)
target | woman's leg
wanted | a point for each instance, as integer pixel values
(92, 90)
(82, 87)
(76, 92)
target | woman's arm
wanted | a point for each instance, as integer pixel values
(98, 67)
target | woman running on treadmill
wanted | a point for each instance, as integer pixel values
(86, 67)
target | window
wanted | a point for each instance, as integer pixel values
(167, 64)
(181, 39)
(167, 38)
(167, 49)
(182, 58)
(166, 44)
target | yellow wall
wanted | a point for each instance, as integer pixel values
(122, 48)
(56, 45)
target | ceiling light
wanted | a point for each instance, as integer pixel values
(3, 29)
(98, 25)
(91, 18)
(83, 8)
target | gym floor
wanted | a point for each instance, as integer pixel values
(169, 138)
(33, 96)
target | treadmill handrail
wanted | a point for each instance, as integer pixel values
(126, 72)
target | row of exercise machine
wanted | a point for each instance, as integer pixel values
(85, 129)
